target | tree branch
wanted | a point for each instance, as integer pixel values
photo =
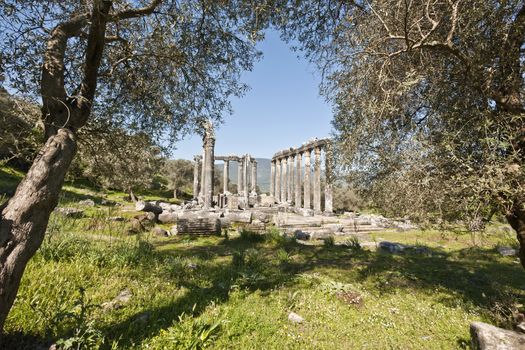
(94, 51)
(133, 13)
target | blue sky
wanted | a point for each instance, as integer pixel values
(282, 108)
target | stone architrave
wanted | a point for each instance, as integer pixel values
(278, 180)
(284, 184)
(254, 176)
(307, 180)
(209, 151)
(225, 176)
(329, 173)
(272, 178)
(317, 179)
(196, 177)
(298, 188)
(239, 176)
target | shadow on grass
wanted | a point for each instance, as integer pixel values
(20, 341)
(475, 276)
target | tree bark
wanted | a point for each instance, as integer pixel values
(25, 217)
(517, 220)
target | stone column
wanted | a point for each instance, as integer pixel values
(272, 179)
(329, 173)
(239, 176)
(209, 148)
(225, 176)
(196, 160)
(254, 176)
(284, 184)
(317, 179)
(278, 180)
(307, 181)
(290, 178)
(298, 171)
(203, 177)
(245, 178)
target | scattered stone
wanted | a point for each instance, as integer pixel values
(159, 231)
(143, 317)
(520, 327)
(336, 228)
(302, 236)
(146, 219)
(116, 218)
(419, 250)
(167, 217)
(108, 202)
(487, 337)
(192, 266)
(164, 205)
(135, 226)
(392, 247)
(261, 216)
(148, 207)
(174, 231)
(507, 251)
(120, 300)
(295, 318)
(306, 212)
(242, 217)
(87, 203)
(70, 212)
(175, 207)
(199, 223)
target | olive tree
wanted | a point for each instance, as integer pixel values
(428, 97)
(155, 66)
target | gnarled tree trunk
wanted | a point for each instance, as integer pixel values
(25, 217)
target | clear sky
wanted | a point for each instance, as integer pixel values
(282, 109)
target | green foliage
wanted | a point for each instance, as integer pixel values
(428, 102)
(329, 241)
(188, 334)
(85, 335)
(180, 175)
(20, 134)
(113, 158)
(251, 236)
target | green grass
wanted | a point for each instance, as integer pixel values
(236, 292)
(194, 292)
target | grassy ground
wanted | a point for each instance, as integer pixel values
(236, 291)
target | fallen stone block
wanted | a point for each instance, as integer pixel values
(487, 337)
(70, 212)
(507, 251)
(199, 225)
(158, 231)
(87, 203)
(392, 247)
(167, 217)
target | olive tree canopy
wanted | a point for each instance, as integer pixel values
(428, 96)
(156, 67)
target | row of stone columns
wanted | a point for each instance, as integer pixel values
(286, 183)
(247, 170)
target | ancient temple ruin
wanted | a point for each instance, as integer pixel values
(287, 183)
(204, 165)
(246, 181)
